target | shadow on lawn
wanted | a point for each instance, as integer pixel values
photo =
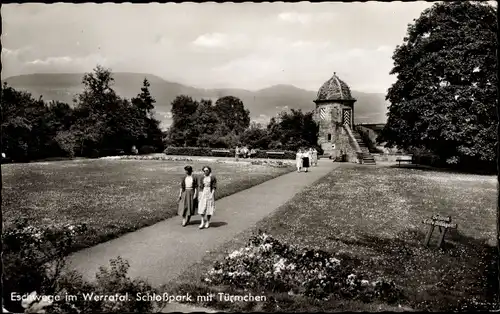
(484, 172)
(460, 276)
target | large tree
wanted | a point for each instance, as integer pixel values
(144, 101)
(150, 133)
(292, 130)
(206, 124)
(97, 105)
(183, 131)
(232, 114)
(445, 96)
(256, 136)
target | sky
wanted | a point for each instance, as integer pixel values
(212, 45)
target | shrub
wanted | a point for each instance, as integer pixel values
(94, 153)
(147, 149)
(423, 156)
(268, 264)
(112, 281)
(33, 259)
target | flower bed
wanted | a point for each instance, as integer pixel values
(260, 162)
(270, 265)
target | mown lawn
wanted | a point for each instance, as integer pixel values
(111, 196)
(370, 217)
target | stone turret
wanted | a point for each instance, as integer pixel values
(334, 108)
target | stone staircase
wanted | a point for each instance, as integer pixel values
(367, 157)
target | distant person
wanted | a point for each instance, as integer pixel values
(187, 196)
(252, 153)
(206, 198)
(315, 156)
(134, 150)
(311, 157)
(306, 159)
(237, 152)
(298, 159)
(244, 152)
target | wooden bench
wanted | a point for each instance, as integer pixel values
(275, 153)
(221, 151)
(444, 223)
(404, 159)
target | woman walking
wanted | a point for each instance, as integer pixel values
(206, 205)
(306, 158)
(314, 155)
(298, 159)
(187, 196)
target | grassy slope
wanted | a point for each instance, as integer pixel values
(372, 215)
(111, 196)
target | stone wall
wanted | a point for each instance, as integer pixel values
(346, 145)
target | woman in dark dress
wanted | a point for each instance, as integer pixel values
(306, 159)
(187, 196)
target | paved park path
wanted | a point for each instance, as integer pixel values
(161, 252)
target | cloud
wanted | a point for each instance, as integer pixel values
(305, 18)
(384, 48)
(219, 40)
(51, 61)
(311, 44)
(356, 52)
(70, 63)
(14, 52)
(308, 63)
(295, 17)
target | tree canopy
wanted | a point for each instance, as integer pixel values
(445, 96)
(227, 124)
(101, 122)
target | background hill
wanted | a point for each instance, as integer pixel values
(263, 104)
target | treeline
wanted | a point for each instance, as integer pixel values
(101, 123)
(226, 124)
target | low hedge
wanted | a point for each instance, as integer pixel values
(147, 149)
(206, 151)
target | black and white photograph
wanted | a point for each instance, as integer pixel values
(250, 157)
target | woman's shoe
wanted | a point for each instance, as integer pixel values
(202, 225)
(184, 222)
(207, 224)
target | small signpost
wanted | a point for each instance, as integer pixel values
(444, 223)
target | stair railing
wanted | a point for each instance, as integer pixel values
(352, 139)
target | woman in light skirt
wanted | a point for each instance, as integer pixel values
(206, 198)
(298, 160)
(314, 157)
(187, 196)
